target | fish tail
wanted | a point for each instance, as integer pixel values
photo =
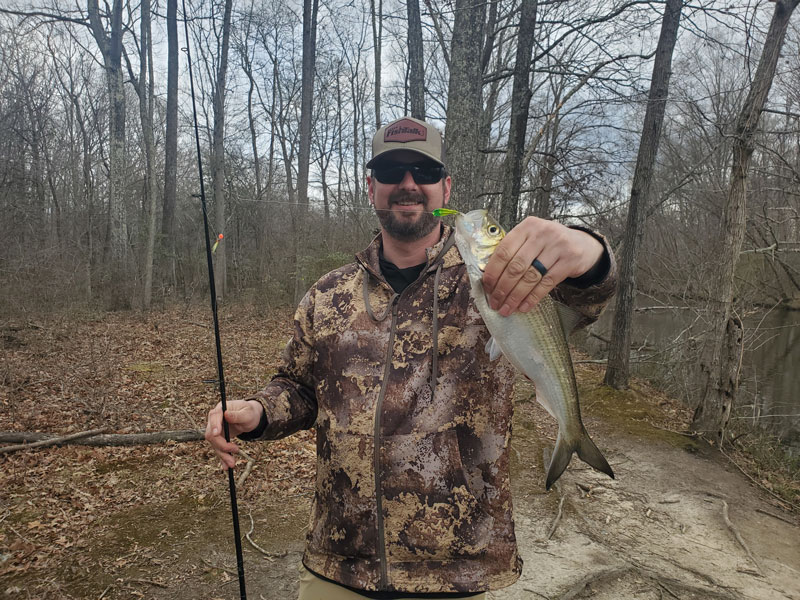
(587, 452)
(591, 455)
(558, 463)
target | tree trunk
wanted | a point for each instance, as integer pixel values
(464, 101)
(542, 203)
(171, 144)
(111, 49)
(520, 103)
(377, 35)
(713, 411)
(416, 75)
(488, 114)
(218, 155)
(617, 372)
(306, 98)
(252, 126)
(146, 93)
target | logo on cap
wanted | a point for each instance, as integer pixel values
(405, 130)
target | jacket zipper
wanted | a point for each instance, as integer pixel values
(377, 451)
(377, 434)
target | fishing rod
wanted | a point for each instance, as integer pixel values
(220, 373)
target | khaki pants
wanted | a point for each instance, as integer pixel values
(314, 588)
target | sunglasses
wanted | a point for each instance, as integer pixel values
(422, 174)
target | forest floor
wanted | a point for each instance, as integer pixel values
(154, 521)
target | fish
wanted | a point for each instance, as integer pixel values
(535, 343)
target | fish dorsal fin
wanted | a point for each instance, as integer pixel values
(569, 318)
(493, 349)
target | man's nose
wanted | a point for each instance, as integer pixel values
(408, 183)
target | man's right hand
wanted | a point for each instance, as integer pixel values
(242, 416)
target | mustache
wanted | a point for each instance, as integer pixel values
(406, 196)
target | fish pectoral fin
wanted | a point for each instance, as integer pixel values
(569, 318)
(474, 272)
(493, 349)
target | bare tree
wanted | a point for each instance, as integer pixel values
(464, 103)
(111, 48)
(416, 75)
(376, 14)
(617, 373)
(218, 153)
(520, 102)
(713, 411)
(310, 9)
(144, 85)
(171, 143)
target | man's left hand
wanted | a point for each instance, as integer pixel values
(510, 280)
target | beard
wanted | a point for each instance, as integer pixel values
(402, 229)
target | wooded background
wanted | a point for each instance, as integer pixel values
(566, 109)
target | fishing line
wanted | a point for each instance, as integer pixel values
(287, 203)
(220, 372)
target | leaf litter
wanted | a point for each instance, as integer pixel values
(76, 520)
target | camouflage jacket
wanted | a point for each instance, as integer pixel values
(413, 426)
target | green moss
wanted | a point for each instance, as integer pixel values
(630, 412)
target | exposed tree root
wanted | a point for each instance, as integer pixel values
(269, 555)
(739, 538)
(557, 519)
(591, 578)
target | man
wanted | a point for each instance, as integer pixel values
(413, 421)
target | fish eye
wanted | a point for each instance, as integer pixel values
(493, 230)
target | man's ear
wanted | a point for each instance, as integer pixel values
(370, 191)
(447, 183)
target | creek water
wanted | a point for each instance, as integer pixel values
(769, 392)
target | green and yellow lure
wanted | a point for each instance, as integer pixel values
(443, 212)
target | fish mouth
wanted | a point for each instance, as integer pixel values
(475, 250)
(470, 223)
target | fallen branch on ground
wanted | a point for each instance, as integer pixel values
(250, 462)
(774, 516)
(750, 477)
(95, 437)
(53, 441)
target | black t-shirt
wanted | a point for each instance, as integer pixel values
(399, 278)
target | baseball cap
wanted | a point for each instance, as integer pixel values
(407, 134)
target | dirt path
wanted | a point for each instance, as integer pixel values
(656, 532)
